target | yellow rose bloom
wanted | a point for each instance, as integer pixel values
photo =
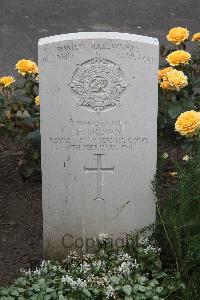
(37, 100)
(26, 66)
(165, 85)
(178, 35)
(178, 57)
(188, 123)
(174, 80)
(162, 72)
(6, 81)
(196, 37)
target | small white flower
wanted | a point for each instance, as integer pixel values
(110, 292)
(73, 255)
(102, 237)
(124, 257)
(75, 284)
(143, 241)
(28, 273)
(96, 280)
(85, 267)
(80, 283)
(135, 264)
(69, 280)
(37, 271)
(97, 264)
(125, 268)
(88, 256)
(165, 155)
(151, 248)
(186, 158)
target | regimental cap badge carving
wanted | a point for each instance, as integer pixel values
(98, 84)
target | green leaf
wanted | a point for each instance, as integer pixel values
(29, 121)
(86, 292)
(20, 281)
(36, 287)
(36, 154)
(115, 279)
(61, 297)
(174, 110)
(127, 289)
(1, 98)
(47, 297)
(15, 293)
(128, 298)
(34, 136)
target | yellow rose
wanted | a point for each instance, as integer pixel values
(37, 100)
(174, 80)
(196, 37)
(178, 35)
(188, 123)
(178, 57)
(26, 66)
(165, 85)
(162, 72)
(6, 81)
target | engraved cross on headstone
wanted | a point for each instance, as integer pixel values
(99, 169)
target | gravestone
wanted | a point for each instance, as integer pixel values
(99, 136)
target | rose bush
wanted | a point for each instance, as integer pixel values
(179, 78)
(20, 113)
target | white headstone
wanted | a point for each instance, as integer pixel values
(99, 136)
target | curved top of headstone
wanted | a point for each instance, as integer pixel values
(98, 35)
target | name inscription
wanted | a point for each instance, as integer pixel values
(98, 136)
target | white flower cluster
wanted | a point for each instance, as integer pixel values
(73, 255)
(85, 267)
(88, 256)
(110, 292)
(102, 237)
(97, 280)
(126, 264)
(151, 248)
(124, 257)
(143, 241)
(37, 271)
(98, 264)
(27, 273)
(45, 264)
(135, 264)
(125, 268)
(75, 284)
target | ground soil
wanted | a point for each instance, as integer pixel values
(20, 215)
(21, 210)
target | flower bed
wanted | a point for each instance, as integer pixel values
(133, 271)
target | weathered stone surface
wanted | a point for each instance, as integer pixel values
(99, 137)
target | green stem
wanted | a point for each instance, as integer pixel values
(167, 235)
